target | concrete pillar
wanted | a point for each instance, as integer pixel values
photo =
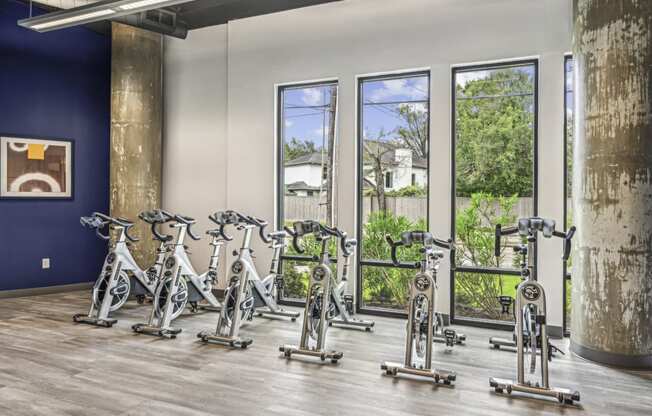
(136, 129)
(612, 182)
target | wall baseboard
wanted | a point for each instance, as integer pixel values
(19, 293)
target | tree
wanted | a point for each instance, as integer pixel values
(376, 161)
(295, 148)
(494, 134)
(414, 135)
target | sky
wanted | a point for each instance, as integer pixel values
(305, 116)
(305, 109)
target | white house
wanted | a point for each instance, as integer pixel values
(305, 175)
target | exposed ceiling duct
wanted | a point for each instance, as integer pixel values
(139, 13)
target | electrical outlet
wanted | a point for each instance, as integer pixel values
(45, 263)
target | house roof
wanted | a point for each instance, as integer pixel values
(301, 186)
(314, 158)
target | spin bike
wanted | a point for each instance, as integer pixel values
(321, 305)
(247, 294)
(180, 284)
(121, 276)
(421, 308)
(530, 310)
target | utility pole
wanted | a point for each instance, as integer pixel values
(330, 167)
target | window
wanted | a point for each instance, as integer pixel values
(413, 181)
(569, 95)
(388, 180)
(393, 136)
(307, 117)
(494, 181)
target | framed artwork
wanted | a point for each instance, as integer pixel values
(35, 168)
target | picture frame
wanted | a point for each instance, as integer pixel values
(36, 168)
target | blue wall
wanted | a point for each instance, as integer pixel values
(56, 85)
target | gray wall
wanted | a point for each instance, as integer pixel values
(343, 41)
(194, 151)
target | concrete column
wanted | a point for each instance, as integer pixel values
(136, 129)
(612, 182)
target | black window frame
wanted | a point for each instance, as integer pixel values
(476, 322)
(566, 276)
(359, 261)
(280, 177)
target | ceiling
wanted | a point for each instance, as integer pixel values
(202, 13)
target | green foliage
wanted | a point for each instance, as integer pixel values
(296, 274)
(295, 148)
(408, 191)
(385, 286)
(477, 294)
(494, 134)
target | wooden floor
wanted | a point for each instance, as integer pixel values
(50, 366)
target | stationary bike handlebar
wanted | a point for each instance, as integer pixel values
(426, 239)
(189, 222)
(302, 228)
(156, 218)
(530, 227)
(98, 221)
(224, 218)
(499, 233)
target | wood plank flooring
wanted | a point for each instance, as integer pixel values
(50, 366)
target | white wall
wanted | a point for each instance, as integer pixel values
(194, 152)
(310, 174)
(347, 39)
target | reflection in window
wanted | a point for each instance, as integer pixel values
(393, 179)
(494, 139)
(307, 119)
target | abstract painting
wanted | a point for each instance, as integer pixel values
(35, 168)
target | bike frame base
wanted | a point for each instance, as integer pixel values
(268, 313)
(563, 395)
(352, 323)
(146, 329)
(90, 320)
(438, 376)
(502, 342)
(333, 356)
(233, 342)
(454, 339)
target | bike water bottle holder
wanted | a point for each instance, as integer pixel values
(505, 303)
(348, 303)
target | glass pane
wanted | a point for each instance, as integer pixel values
(494, 159)
(307, 124)
(307, 121)
(394, 172)
(477, 296)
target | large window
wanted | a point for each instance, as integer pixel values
(569, 65)
(494, 181)
(307, 116)
(393, 136)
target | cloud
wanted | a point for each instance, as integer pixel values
(312, 96)
(401, 88)
(289, 123)
(462, 78)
